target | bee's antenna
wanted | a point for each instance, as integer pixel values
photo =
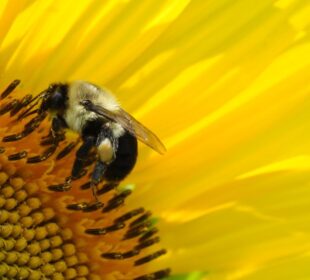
(37, 100)
(40, 95)
(31, 113)
(24, 113)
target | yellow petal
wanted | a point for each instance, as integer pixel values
(225, 84)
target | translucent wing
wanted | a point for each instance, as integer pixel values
(129, 123)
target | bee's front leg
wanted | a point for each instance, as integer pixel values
(58, 126)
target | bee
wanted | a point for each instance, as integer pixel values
(101, 123)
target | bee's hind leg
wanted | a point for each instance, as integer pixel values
(95, 180)
(96, 177)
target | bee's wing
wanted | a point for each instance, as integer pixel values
(130, 124)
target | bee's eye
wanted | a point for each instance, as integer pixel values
(54, 101)
(85, 102)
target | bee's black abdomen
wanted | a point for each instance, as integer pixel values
(126, 156)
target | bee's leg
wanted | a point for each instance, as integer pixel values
(58, 126)
(95, 180)
(82, 155)
(78, 165)
(21, 104)
(57, 132)
(99, 170)
(96, 177)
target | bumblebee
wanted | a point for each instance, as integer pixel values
(101, 123)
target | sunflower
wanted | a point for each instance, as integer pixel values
(225, 84)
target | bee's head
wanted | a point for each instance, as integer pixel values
(54, 98)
